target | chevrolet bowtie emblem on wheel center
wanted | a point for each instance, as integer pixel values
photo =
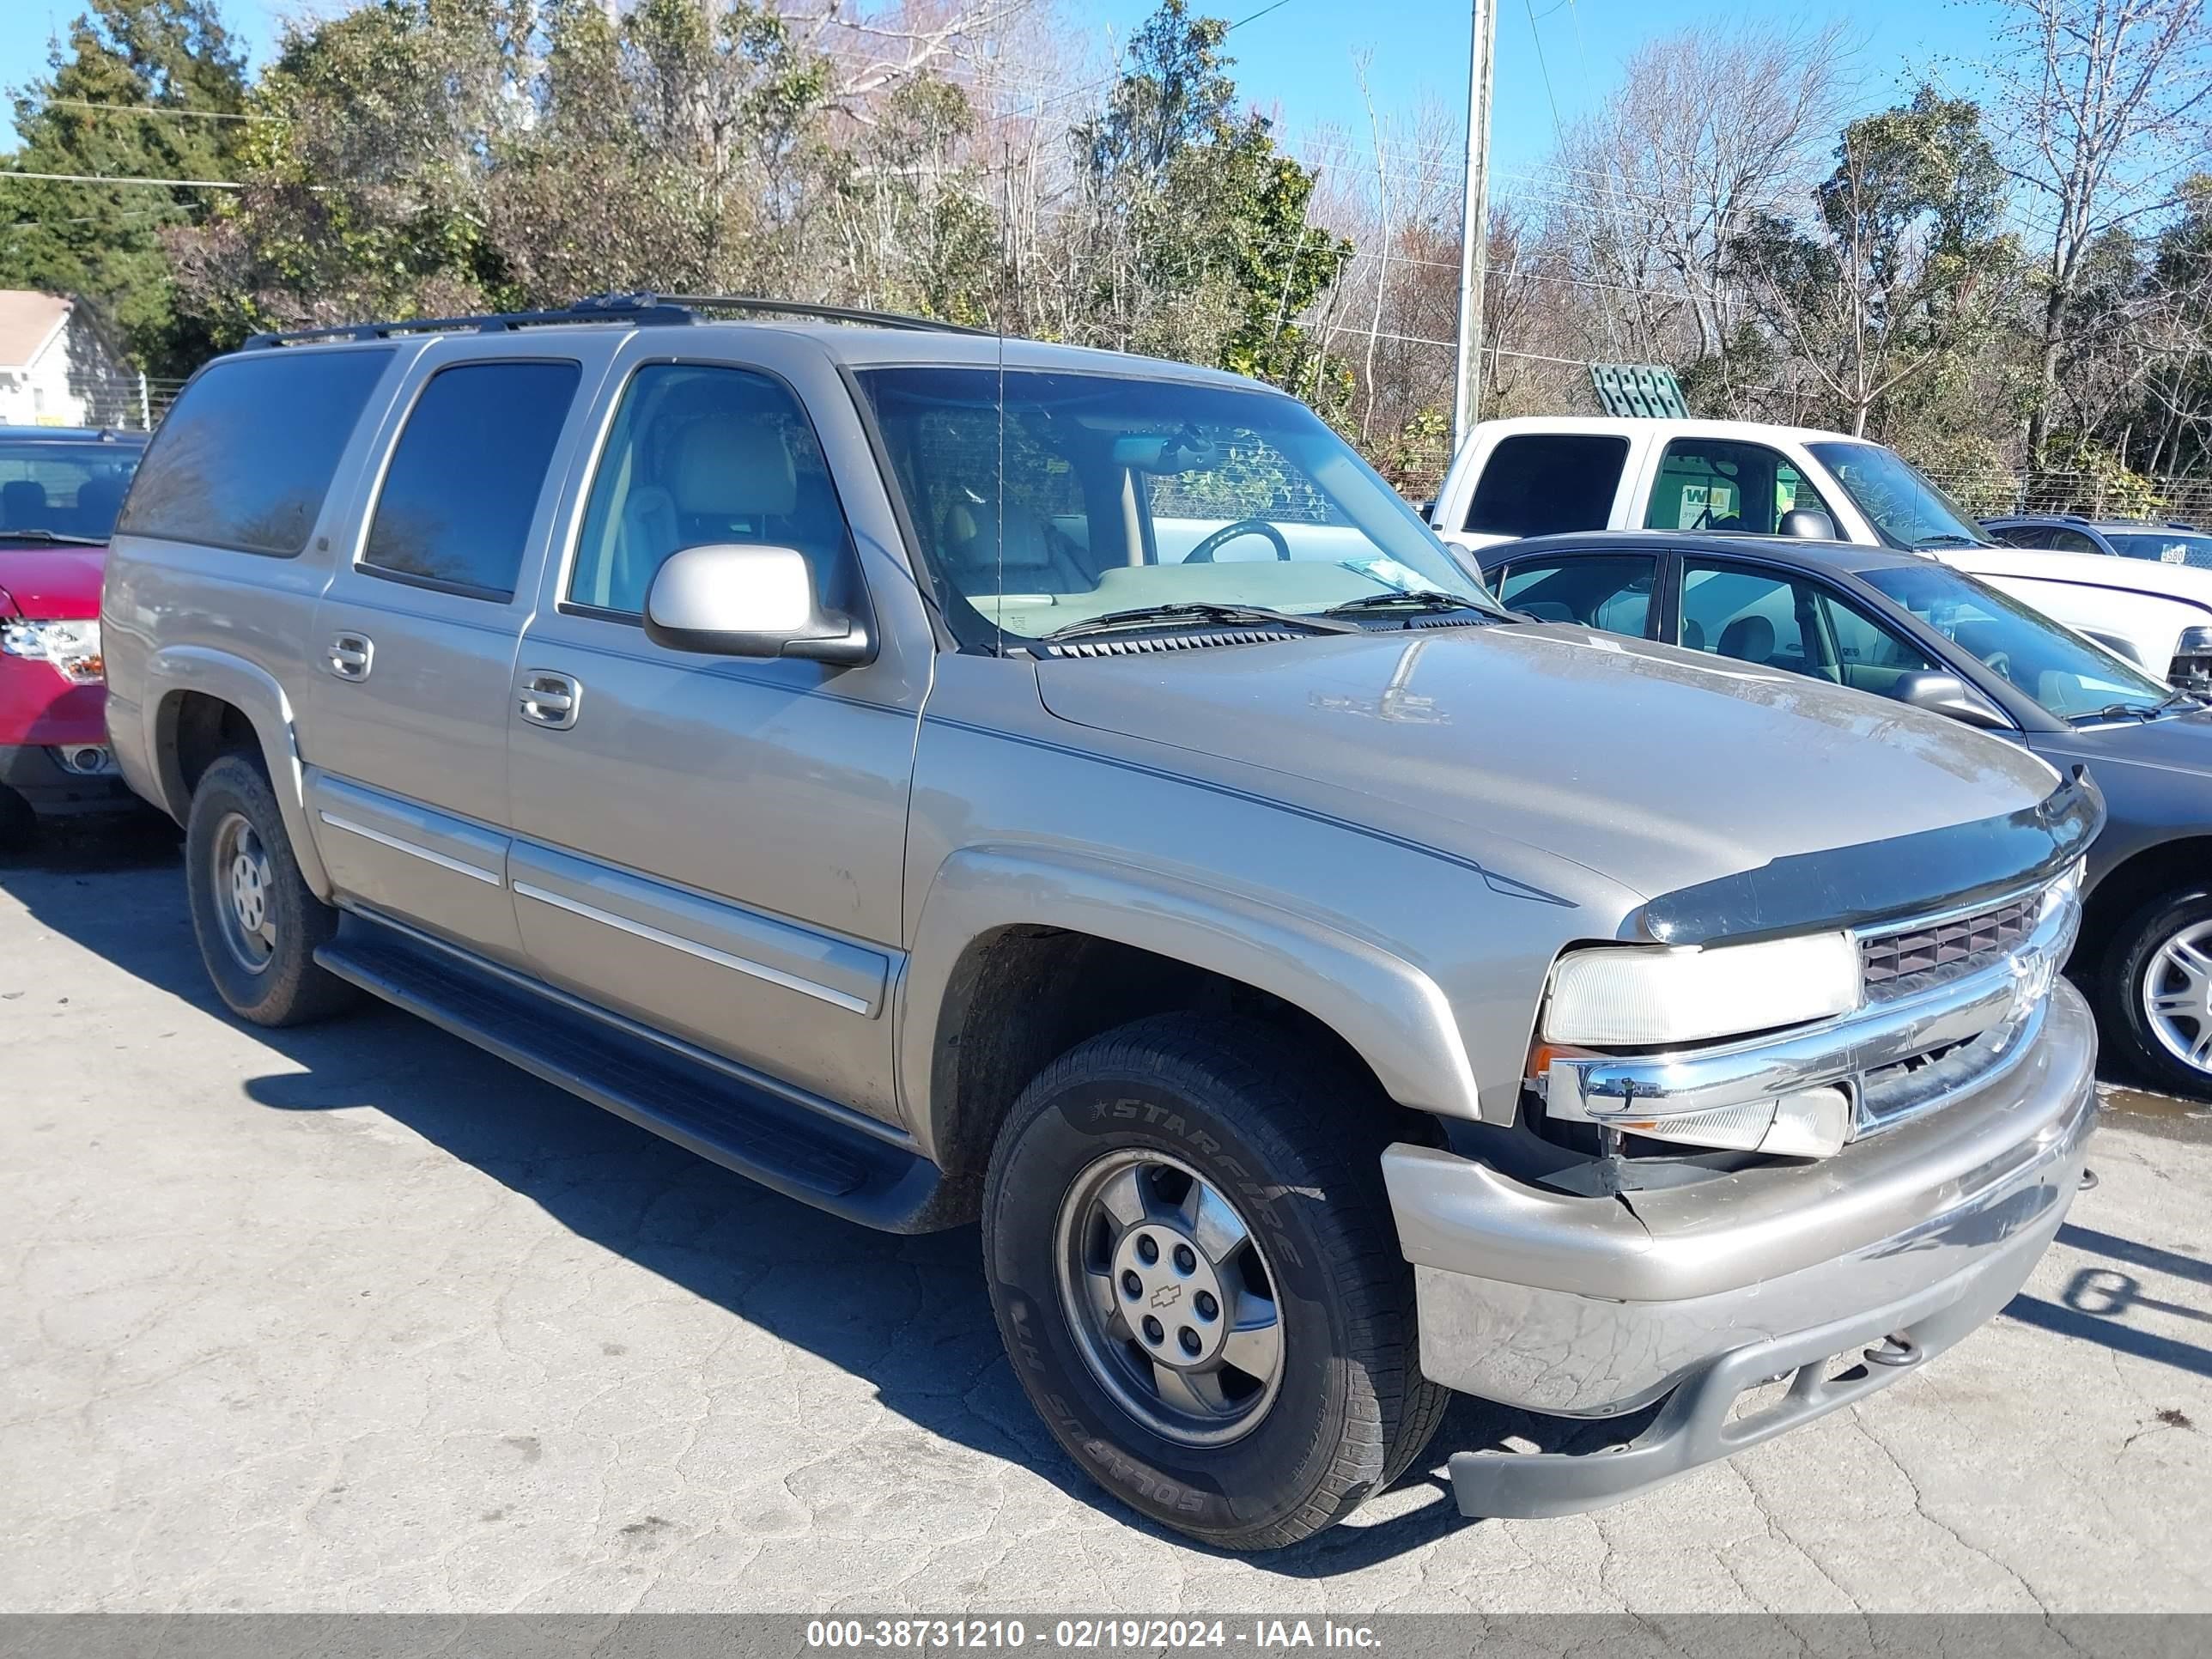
(1167, 1296)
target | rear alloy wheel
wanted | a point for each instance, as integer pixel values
(1190, 1250)
(258, 921)
(2158, 995)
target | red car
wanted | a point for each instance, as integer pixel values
(60, 489)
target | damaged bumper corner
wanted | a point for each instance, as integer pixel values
(1587, 1308)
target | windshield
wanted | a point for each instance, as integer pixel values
(2066, 674)
(1120, 495)
(2166, 546)
(1904, 509)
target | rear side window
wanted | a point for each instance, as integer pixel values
(464, 479)
(1542, 483)
(245, 458)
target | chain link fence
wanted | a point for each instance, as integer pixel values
(2090, 495)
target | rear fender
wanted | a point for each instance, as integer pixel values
(257, 694)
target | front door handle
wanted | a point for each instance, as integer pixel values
(348, 656)
(548, 698)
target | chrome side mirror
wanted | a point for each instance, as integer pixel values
(1949, 695)
(725, 600)
(1806, 524)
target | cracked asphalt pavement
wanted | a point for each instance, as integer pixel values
(357, 1318)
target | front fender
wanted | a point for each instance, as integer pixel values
(1392, 1014)
(257, 694)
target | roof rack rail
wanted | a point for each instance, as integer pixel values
(608, 307)
(805, 308)
(638, 309)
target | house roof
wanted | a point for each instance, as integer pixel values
(28, 321)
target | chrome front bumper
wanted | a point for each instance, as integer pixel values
(1592, 1306)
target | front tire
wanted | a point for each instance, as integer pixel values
(257, 923)
(1192, 1266)
(2156, 991)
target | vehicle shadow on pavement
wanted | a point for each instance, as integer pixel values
(909, 1315)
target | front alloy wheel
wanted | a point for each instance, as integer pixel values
(2155, 993)
(2177, 996)
(1190, 1253)
(1171, 1298)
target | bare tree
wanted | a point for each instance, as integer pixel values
(1711, 127)
(2106, 104)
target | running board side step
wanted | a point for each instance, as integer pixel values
(706, 1108)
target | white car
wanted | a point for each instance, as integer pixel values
(2157, 615)
(1544, 475)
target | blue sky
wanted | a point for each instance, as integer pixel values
(1298, 59)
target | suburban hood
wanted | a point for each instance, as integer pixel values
(50, 584)
(1657, 767)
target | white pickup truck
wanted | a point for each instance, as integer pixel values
(1544, 475)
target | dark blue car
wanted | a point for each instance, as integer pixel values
(2172, 543)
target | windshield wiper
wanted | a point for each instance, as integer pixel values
(1947, 538)
(2113, 711)
(1416, 598)
(35, 534)
(1198, 611)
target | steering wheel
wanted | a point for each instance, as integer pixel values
(1203, 553)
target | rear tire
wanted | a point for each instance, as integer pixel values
(257, 923)
(1155, 1370)
(2155, 993)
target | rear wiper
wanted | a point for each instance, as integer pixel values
(35, 534)
(1417, 599)
(1198, 611)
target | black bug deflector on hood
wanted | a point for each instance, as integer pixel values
(1879, 880)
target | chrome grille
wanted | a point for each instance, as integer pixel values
(1911, 959)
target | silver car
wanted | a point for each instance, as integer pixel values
(946, 778)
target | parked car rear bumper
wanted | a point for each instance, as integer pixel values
(43, 776)
(1560, 1304)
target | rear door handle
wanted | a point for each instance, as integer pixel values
(350, 655)
(548, 698)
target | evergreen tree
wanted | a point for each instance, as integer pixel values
(138, 91)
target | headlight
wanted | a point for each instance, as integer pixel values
(1620, 996)
(73, 647)
(2191, 668)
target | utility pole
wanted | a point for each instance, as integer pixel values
(1474, 230)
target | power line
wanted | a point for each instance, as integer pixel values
(156, 109)
(111, 178)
